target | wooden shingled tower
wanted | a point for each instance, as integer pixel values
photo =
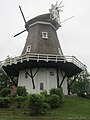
(42, 65)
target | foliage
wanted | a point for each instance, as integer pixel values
(19, 100)
(54, 101)
(57, 91)
(46, 96)
(36, 104)
(4, 80)
(21, 91)
(81, 85)
(4, 101)
(5, 92)
(74, 108)
(44, 93)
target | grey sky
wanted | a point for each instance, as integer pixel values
(74, 34)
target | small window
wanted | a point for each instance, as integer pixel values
(41, 86)
(51, 73)
(28, 50)
(45, 35)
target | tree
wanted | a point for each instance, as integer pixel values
(4, 80)
(81, 85)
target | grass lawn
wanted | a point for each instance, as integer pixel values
(73, 108)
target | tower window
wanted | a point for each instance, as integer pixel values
(28, 50)
(45, 35)
(41, 86)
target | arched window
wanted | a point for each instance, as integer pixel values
(41, 86)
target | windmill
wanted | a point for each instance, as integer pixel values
(42, 65)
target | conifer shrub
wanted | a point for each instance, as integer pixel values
(36, 104)
(21, 91)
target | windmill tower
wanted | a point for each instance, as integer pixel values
(42, 65)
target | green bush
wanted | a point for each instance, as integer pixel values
(54, 101)
(5, 92)
(44, 93)
(4, 101)
(21, 91)
(36, 104)
(46, 96)
(57, 91)
(19, 100)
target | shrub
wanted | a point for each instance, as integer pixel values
(36, 104)
(21, 91)
(44, 93)
(19, 100)
(57, 91)
(54, 101)
(5, 92)
(4, 101)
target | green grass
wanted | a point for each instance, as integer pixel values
(73, 108)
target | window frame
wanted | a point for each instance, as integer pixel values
(28, 50)
(45, 35)
(41, 86)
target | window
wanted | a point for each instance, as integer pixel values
(51, 73)
(28, 49)
(45, 35)
(41, 86)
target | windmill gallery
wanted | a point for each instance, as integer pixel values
(42, 65)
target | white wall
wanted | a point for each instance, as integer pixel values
(47, 76)
(64, 84)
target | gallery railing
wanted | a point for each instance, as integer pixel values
(43, 57)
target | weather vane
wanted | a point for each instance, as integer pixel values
(54, 12)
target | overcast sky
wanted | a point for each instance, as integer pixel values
(74, 34)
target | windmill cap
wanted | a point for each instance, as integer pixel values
(42, 18)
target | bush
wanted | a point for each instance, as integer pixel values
(57, 91)
(44, 93)
(21, 91)
(54, 101)
(36, 104)
(4, 101)
(19, 100)
(5, 92)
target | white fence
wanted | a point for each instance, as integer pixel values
(42, 57)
